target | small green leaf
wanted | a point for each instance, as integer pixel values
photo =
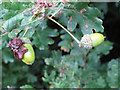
(31, 78)
(101, 82)
(45, 80)
(26, 86)
(55, 59)
(112, 74)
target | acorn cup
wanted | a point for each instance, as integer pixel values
(92, 40)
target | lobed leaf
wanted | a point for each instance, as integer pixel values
(112, 73)
(41, 38)
(87, 19)
(12, 22)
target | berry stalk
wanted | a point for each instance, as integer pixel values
(65, 30)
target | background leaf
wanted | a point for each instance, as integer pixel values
(12, 22)
(112, 73)
(7, 56)
(41, 38)
(26, 86)
(59, 60)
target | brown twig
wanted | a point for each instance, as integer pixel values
(25, 32)
(85, 54)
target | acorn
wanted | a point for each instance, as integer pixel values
(92, 40)
(29, 56)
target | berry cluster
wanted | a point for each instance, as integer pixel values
(17, 47)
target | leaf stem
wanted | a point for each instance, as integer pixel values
(65, 30)
(25, 32)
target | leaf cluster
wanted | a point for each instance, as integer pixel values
(65, 66)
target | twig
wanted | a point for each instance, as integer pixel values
(32, 21)
(4, 34)
(85, 54)
(25, 32)
(65, 30)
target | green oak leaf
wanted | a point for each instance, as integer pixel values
(112, 73)
(13, 22)
(41, 38)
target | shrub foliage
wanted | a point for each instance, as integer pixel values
(59, 61)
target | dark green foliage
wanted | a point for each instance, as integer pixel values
(61, 67)
(74, 72)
